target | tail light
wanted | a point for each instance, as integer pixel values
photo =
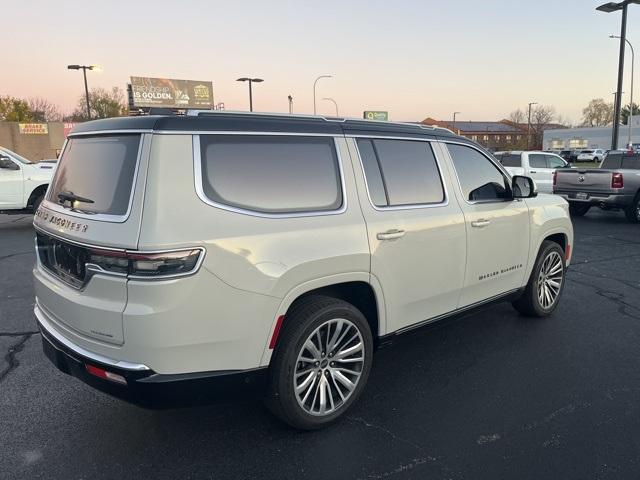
(555, 177)
(149, 265)
(617, 181)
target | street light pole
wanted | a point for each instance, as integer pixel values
(329, 99)
(633, 55)
(290, 98)
(454, 121)
(529, 126)
(251, 81)
(84, 69)
(314, 90)
(608, 8)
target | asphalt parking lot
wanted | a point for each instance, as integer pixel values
(492, 395)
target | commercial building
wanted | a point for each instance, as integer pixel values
(590, 137)
(34, 141)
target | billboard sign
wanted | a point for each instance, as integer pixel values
(171, 93)
(33, 128)
(67, 127)
(376, 115)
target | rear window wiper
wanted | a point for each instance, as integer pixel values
(71, 198)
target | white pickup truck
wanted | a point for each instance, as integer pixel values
(537, 165)
(22, 183)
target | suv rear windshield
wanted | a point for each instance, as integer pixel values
(98, 168)
(271, 174)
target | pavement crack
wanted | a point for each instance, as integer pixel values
(382, 429)
(617, 298)
(10, 357)
(4, 257)
(635, 286)
(18, 334)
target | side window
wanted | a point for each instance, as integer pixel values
(271, 174)
(510, 159)
(480, 179)
(537, 160)
(401, 172)
(555, 162)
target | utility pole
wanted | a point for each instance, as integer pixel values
(290, 98)
(529, 126)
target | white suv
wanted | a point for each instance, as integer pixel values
(178, 255)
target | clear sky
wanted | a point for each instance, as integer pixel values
(413, 58)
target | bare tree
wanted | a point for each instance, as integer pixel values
(541, 118)
(103, 104)
(517, 116)
(597, 113)
(43, 110)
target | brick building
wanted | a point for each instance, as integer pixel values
(502, 135)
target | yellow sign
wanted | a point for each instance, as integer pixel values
(33, 128)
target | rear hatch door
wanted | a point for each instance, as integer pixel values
(93, 204)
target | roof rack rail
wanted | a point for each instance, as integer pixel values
(197, 113)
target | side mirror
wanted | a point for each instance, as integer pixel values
(7, 164)
(523, 187)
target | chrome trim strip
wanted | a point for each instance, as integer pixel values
(102, 217)
(498, 165)
(93, 269)
(456, 311)
(48, 330)
(110, 132)
(444, 203)
(197, 167)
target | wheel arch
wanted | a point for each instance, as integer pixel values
(360, 289)
(36, 192)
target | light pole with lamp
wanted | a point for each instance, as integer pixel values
(314, 90)
(251, 81)
(633, 55)
(609, 8)
(84, 69)
(329, 99)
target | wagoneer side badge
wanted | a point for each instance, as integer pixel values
(61, 222)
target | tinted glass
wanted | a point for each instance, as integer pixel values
(537, 161)
(555, 162)
(271, 174)
(99, 168)
(409, 171)
(372, 172)
(631, 162)
(612, 160)
(479, 178)
(510, 159)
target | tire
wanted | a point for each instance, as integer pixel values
(37, 202)
(324, 315)
(632, 212)
(531, 304)
(578, 210)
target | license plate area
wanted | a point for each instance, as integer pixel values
(582, 196)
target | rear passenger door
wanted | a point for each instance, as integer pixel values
(416, 234)
(539, 170)
(497, 226)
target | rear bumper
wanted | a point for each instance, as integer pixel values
(146, 388)
(609, 200)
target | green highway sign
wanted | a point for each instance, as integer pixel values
(374, 115)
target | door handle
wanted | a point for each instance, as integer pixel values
(390, 234)
(533, 171)
(481, 223)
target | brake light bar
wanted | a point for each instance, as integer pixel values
(147, 265)
(105, 374)
(617, 181)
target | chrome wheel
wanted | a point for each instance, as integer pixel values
(329, 367)
(550, 280)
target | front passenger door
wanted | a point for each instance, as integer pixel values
(497, 226)
(539, 170)
(11, 183)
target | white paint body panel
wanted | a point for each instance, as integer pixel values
(16, 186)
(223, 316)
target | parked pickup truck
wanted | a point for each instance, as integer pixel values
(537, 165)
(22, 182)
(613, 186)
